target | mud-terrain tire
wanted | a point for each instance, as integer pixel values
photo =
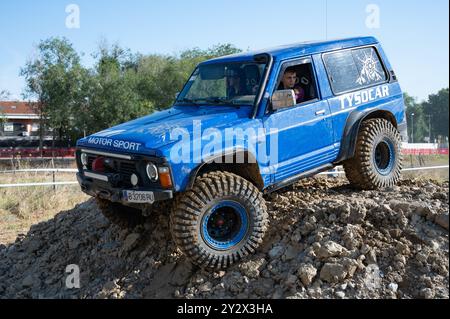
(218, 222)
(378, 159)
(120, 215)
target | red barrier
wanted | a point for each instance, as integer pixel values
(35, 152)
(425, 151)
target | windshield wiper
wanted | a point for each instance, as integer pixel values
(189, 101)
(221, 101)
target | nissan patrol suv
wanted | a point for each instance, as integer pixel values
(245, 125)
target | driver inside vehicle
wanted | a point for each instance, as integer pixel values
(290, 81)
(235, 85)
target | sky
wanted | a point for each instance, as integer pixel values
(414, 33)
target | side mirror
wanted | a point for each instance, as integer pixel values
(282, 99)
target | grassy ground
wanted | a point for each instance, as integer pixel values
(439, 175)
(21, 207)
(428, 160)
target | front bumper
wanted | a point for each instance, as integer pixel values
(104, 190)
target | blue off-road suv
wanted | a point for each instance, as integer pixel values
(245, 125)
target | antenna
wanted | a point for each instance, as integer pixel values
(326, 19)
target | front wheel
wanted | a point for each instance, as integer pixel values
(220, 220)
(378, 160)
(120, 215)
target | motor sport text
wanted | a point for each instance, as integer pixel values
(124, 145)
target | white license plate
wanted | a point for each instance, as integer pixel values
(138, 196)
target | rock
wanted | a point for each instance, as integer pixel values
(276, 252)
(351, 265)
(403, 248)
(73, 244)
(442, 220)
(393, 287)
(130, 242)
(340, 294)
(111, 285)
(306, 273)
(357, 215)
(427, 293)
(33, 246)
(421, 209)
(397, 205)
(290, 281)
(330, 249)
(290, 253)
(206, 287)
(371, 257)
(28, 281)
(333, 273)
(181, 273)
(252, 268)
(372, 278)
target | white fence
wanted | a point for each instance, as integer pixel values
(335, 172)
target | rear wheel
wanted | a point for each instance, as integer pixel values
(220, 220)
(378, 160)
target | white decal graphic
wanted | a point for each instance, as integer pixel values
(369, 72)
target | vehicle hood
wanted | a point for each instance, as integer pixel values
(148, 134)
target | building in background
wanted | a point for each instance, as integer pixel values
(18, 119)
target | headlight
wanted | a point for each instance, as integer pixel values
(84, 159)
(152, 172)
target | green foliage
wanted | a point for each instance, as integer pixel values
(431, 114)
(4, 95)
(55, 79)
(437, 108)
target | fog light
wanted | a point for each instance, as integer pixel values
(152, 172)
(98, 164)
(84, 159)
(134, 179)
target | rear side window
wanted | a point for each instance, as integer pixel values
(354, 69)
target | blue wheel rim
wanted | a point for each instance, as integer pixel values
(384, 157)
(224, 225)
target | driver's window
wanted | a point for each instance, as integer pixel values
(300, 78)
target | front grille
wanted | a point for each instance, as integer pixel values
(118, 166)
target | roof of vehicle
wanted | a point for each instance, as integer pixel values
(298, 49)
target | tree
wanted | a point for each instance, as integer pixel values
(112, 94)
(161, 77)
(437, 108)
(54, 79)
(4, 95)
(416, 123)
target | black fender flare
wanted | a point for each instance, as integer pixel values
(350, 135)
(251, 159)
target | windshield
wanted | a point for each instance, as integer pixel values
(223, 83)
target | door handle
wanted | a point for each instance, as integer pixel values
(321, 112)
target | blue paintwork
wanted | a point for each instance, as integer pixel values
(232, 240)
(305, 140)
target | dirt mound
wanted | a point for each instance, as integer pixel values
(325, 241)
